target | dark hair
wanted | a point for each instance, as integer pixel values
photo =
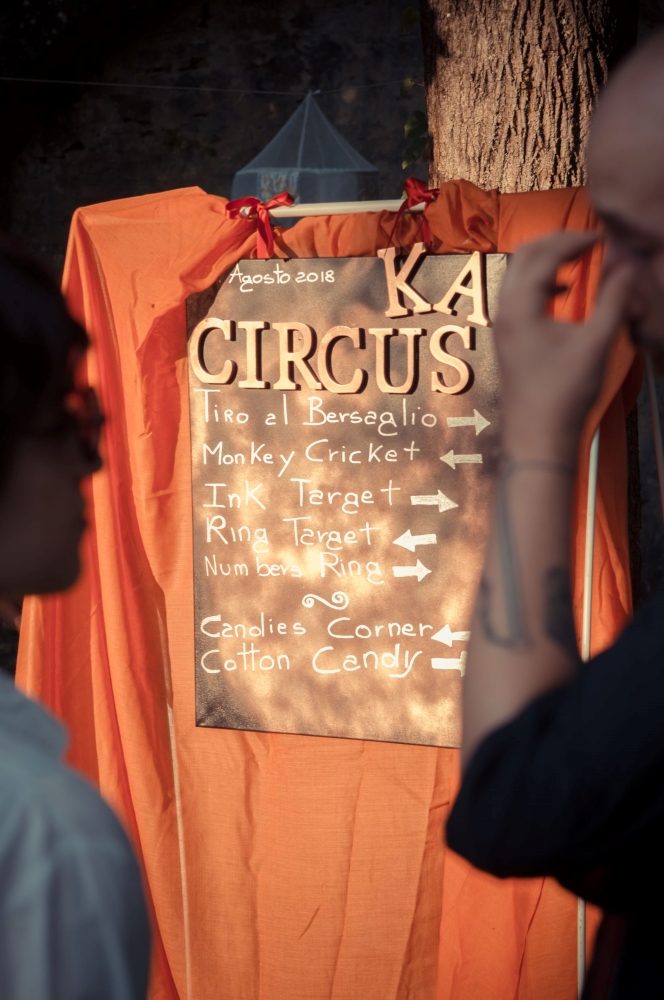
(39, 344)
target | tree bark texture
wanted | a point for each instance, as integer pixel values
(511, 85)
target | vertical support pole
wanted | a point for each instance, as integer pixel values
(586, 623)
(656, 426)
(589, 555)
(580, 945)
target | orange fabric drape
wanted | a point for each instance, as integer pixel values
(279, 867)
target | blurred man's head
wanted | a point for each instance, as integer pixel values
(47, 432)
(626, 175)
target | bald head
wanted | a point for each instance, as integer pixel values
(626, 150)
(625, 161)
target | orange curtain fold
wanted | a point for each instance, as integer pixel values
(281, 867)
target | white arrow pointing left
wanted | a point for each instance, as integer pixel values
(453, 460)
(408, 541)
(446, 635)
(417, 570)
(447, 663)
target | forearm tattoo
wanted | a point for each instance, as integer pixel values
(559, 618)
(515, 635)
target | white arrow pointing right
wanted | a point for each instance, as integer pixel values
(417, 570)
(438, 500)
(477, 420)
(408, 541)
(446, 635)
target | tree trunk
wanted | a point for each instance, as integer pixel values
(511, 85)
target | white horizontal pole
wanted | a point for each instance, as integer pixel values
(340, 208)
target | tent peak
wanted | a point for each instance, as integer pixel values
(309, 158)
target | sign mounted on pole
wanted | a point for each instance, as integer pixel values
(344, 445)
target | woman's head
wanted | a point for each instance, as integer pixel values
(47, 431)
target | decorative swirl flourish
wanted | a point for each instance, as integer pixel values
(339, 600)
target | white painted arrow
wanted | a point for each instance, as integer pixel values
(447, 663)
(477, 419)
(439, 500)
(408, 541)
(446, 635)
(454, 460)
(417, 570)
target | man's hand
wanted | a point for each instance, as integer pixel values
(552, 371)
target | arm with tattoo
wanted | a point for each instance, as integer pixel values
(523, 639)
(523, 634)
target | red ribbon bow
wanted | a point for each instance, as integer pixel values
(416, 193)
(254, 208)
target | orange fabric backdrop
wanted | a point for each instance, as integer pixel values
(279, 867)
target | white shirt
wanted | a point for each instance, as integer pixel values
(73, 923)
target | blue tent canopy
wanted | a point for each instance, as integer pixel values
(309, 159)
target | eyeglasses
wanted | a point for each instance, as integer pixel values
(82, 404)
